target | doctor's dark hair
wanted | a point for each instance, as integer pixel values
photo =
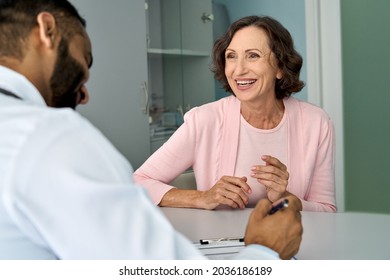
(289, 61)
(19, 17)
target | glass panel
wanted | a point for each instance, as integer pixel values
(164, 68)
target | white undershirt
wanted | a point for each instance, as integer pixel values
(253, 143)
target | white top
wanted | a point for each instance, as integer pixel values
(253, 143)
(67, 193)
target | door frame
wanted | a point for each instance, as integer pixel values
(324, 74)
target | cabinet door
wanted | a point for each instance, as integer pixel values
(197, 36)
(188, 79)
(181, 25)
(197, 30)
(117, 99)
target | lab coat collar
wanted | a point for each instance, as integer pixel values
(18, 84)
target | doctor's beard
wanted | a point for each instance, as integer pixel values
(66, 78)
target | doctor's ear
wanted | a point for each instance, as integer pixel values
(47, 29)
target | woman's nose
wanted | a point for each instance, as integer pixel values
(240, 66)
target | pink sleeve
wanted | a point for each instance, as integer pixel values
(321, 195)
(312, 156)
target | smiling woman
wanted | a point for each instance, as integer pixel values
(258, 143)
(270, 46)
(250, 64)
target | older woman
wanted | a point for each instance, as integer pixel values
(260, 141)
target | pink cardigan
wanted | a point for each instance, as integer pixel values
(208, 140)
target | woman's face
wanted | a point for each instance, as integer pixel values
(251, 66)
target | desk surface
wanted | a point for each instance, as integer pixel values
(332, 236)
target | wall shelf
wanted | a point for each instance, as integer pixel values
(176, 52)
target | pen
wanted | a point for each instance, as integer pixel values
(280, 205)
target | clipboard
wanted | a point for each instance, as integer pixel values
(220, 248)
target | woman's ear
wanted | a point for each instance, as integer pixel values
(47, 29)
(279, 74)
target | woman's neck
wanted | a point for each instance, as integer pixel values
(264, 115)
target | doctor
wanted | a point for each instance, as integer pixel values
(65, 191)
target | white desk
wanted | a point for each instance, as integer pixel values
(332, 236)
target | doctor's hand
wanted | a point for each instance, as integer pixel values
(282, 231)
(273, 175)
(230, 191)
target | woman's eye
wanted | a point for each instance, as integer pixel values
(230, 56)
(253, 56)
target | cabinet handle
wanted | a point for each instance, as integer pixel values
(207, 17)
(145, 89)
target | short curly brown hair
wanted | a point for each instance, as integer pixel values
(289, 61)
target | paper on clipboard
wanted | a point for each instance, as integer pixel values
(219, 249)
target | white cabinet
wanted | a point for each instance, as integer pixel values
(117, 98)
(151, 60)
(179, 38)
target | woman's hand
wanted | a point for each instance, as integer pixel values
(230, 191)
(273, 175)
